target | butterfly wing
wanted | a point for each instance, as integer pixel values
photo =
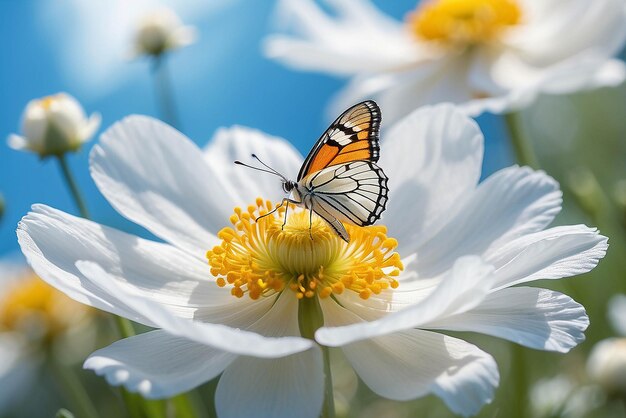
(355, 192)
(353, 136)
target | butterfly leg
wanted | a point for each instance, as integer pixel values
(283, 202)
(311, 222)
(295, 202)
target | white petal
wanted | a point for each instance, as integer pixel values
(282, 319)
(218, 336)
(522, 82)
(358, 38)
(512, 202)
(583, 73)
(536, 318)
(183, 36)
(17, 142)
(157, 364)
(617, 313)
(555, 253)
(292, 386)
(600, 27)
(461, 289)
(238, 143)
(90, 127)
(611, 74)
(433, 158)
(157, 178)
(435, 80)
(413, 363)
(53, 241)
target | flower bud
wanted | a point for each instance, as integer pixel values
(607, 365)
(54, 125)
(161, 31)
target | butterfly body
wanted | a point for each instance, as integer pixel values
(339, 179)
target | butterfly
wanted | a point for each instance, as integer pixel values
(339, 179)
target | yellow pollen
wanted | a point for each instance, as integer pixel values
(31, 305)
(47, 102)
(464, 22)
(259, 257)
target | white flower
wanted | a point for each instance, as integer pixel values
(461, 246)
(560, 396)
(606, 365)
(54, 125)
(32, 316)
(548, 396)
(617, 313)
(161, 31)
(486, 55)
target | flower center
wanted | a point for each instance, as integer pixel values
(259, 256)
(464, 22)
(31, 305)
(47, 102)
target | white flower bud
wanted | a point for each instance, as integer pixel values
(161, 31)
(607, 365)
(54, 125)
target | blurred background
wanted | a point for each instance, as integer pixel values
(222, 79)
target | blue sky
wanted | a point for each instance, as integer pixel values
(222, 80)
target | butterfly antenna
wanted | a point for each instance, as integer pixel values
(271, 170)
(265, 165)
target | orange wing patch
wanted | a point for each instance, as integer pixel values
(323, 158)
(352, 137)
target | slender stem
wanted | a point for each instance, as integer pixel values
(74, 390)
(329, 398)
(133, 403)
(183, 406)
(73, 186)
(124, 326)
(165, 92)
(519, 379)
(310, 318)
(522, 144)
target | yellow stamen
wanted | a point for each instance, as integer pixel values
(47, 102)
(258, 257)
(464, 22)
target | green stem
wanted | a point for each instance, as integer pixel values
(329, 398)
(310, 319)
(133, 403)
(74, 390)
(183, 406)
(522, 144)
(73, 186)
(520, 382)
(124, 326)
(164, 91)
(596, 204)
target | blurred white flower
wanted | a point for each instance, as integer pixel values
(160, 31)
(617, 314)
(486, 55)
(54, 125)
(606, 365)
(548, 396)
(458, 247)
(562, 397)
(32, 316)
(92, 39)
